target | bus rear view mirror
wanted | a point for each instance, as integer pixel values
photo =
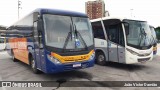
(126, 26)
(39, 25)
(40, 40)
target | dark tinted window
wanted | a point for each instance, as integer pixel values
(113, 33)
(98, 30)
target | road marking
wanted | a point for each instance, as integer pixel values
(3, 88)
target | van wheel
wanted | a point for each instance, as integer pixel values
(100, 58)
(34, 66)
(13, 57)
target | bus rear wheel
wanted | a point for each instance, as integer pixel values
(100, 58)
(34, 66)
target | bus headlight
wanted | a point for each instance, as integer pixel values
(132, 52)
(92, 56)
(54, 60)
(155, 48)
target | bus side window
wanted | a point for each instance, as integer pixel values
(98, 30)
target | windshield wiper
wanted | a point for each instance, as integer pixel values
(144, 34)
(70, 35)
(153, 41)
(67, 39)
(77, 33)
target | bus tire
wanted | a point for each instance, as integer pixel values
(34, 66)
(13, 57)
(100, 58)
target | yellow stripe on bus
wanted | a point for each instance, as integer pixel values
(154, 48)
(77, 58)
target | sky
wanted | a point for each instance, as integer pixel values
(141, 9)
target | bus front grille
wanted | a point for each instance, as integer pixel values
(70, 61)
(143, 59)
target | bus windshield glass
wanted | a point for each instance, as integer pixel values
(67, 32)
(153, 35)
(139, 34)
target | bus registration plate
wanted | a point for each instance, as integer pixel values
(77, 65)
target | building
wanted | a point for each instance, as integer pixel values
(95, 9)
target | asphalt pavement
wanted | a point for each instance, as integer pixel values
(18, 71)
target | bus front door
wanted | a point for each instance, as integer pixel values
(112, 52)
(116, 43)
(37, 46)
(121, 46)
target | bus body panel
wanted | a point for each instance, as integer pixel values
(19, 47)
(131, 58)
(154, 39)
(115, 52)
(24, 44)
(101, 46)
(2, 46)
(2, 43)
(55, 68)
(155, 49)
(121, 54)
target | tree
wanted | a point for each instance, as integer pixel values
(158, 33)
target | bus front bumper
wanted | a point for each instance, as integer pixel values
(131, 59)
(55, 68)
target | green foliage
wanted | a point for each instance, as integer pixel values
(158, 33)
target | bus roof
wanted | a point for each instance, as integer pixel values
(60, 12)
(120, 18)
(56, 12)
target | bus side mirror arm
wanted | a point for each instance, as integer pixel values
(39, 27)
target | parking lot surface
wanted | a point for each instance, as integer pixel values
(18, 71)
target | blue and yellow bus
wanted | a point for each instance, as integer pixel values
(154, 40)
(53, 41)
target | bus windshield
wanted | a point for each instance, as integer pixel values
(154, 40)
(139, 34)
(67, 32)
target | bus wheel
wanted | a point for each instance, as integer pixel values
(34, 66)
(13, 57)
(100, 58)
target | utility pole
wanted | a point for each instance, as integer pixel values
(131, 12)
(19, 7)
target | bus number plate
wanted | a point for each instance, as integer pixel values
(77, 65)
